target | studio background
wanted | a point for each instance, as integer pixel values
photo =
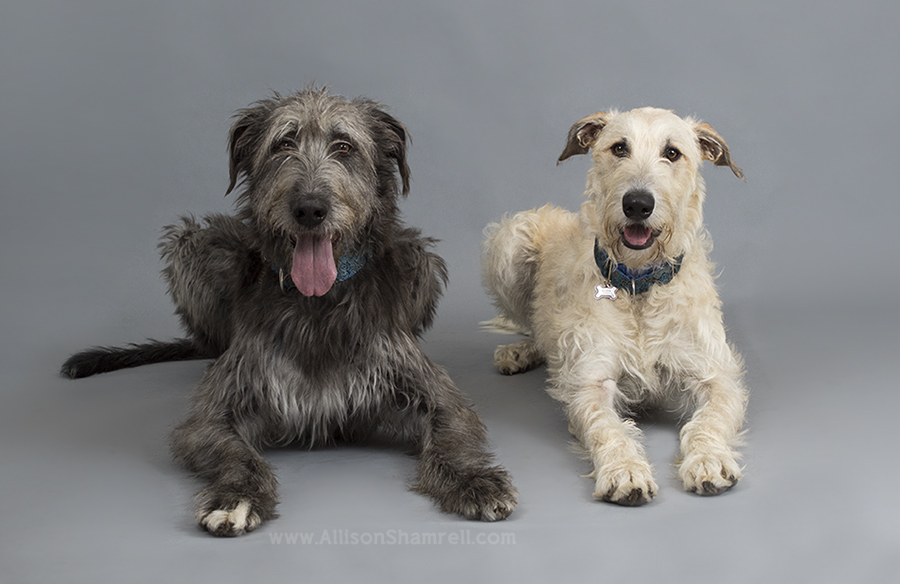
(113, 122)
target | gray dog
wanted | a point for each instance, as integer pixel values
(311, 300)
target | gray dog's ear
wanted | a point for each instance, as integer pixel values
(715, 149)
(583, 134)
(395, 140)
(244, 138)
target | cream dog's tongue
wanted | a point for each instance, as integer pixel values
(313, 270)
(638, 235)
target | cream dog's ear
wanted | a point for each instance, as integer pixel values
(715, 149)
(583, 134)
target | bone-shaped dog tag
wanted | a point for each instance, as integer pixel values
(605, 292)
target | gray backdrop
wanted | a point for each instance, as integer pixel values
(113, 119)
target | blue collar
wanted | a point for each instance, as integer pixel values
(635, 283)
(348, 265)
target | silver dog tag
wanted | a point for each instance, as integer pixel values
(605, 292)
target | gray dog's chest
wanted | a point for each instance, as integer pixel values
(310, 407)
(309, 396)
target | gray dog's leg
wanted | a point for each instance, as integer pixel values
(207, 265)
(223, 447)
(242, 490)
(455, 467)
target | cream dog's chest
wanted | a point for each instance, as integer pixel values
(647, 336)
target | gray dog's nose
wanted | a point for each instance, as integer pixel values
(310, 213)
(638, 204)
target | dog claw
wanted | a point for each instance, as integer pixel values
(238, 520)
(630, 500)
(709, 488)
(709, 474)
(487, 496)
(621, 494)
(635, 498)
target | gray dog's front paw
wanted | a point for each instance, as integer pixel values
(228, 514)
(488, 496)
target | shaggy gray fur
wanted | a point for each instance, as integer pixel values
(310, 369)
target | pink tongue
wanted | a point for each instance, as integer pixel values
(313, 270)
(637, 235)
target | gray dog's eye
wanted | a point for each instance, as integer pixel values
(285, 144)
(341, 147)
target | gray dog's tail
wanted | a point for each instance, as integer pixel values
(104, 359)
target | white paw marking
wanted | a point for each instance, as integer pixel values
(238, 518)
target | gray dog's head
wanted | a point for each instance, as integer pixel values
(320, 178)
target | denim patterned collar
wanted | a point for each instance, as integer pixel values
(348, 265)
(635, 283)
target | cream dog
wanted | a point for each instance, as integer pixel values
(619, 300)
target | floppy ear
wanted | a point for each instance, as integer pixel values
(715, 149)
(244, 138)
(583, 134)
(396, 139)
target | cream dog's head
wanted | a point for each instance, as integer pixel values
(645, 191)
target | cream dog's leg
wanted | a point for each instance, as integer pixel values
(621, 470)
(708, 461)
